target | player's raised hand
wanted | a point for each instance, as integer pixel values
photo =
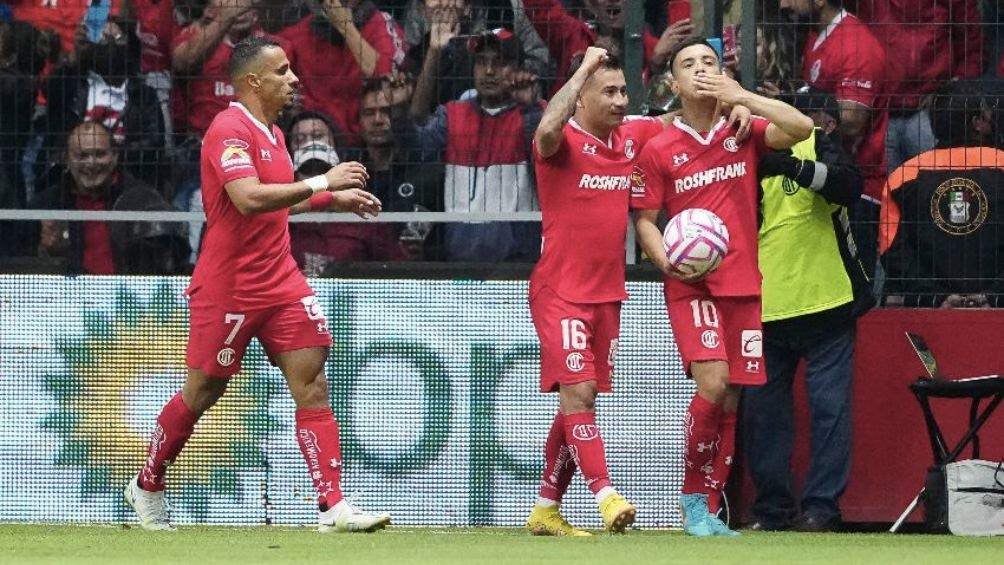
(741, 117)
(347, 175)
(357, 201)
(719, 86)
(593, 58)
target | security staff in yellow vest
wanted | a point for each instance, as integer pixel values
(814, 288)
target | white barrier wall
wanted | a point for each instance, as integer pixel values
(435, 384)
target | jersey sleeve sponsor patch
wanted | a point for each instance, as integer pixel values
(235, 155)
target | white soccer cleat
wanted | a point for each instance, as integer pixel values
(151, 507)
(343, 517)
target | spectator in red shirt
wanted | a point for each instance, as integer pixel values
(61, 16)
(567, 37)
(158, 22)
(842, 57)
(200, 54)
(347, 42)
(928, 42)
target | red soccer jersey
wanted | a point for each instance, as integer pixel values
(156, 27)
(210, 91)
(331, 77)
(583, 193)
(683, 169)
(246, 261)
(847, 61)
(61, 16)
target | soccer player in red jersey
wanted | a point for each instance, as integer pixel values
(699, 162)
(582, 162)
(246, 284)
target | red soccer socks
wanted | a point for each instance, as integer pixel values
(559, 467)
(317, 434)
(174, 427)
(582, 437)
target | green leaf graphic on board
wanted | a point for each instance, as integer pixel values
(116, 377)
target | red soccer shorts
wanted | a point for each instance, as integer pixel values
(218, 336)
(709, 328)
(578, 342)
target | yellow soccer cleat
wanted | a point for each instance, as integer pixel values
(617, 513)
(548, 521)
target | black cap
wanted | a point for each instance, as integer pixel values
(810, 99)
(501, 39)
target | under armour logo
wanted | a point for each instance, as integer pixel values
(589, 149)
(680, 159)
(752, 366)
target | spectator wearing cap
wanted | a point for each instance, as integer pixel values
(93, 179)
(928, 44)
(348, 41)
(317, 246)
(814, 288)
(438, 31)
(485, 145)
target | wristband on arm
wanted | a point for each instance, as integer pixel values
(317, 184)
(321, 201)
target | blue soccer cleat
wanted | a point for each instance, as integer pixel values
(698, 521)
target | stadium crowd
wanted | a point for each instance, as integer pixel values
(103, 104)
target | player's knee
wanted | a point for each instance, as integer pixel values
(201, 393)
(712, 378)
(312, 393)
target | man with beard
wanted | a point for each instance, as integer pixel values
(246, 284)
(105, 88)
(348, 41)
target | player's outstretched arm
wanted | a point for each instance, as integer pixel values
(250, 196)
(354, 200)
(787, 126)
(562, 105)
(650, 239)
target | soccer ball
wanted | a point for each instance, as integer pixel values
(696, 241)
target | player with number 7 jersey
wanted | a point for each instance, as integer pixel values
(246, 284)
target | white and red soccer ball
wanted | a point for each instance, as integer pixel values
(696, 240)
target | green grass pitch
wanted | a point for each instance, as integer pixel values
(205, 545)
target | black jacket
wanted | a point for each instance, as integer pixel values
(143, 147)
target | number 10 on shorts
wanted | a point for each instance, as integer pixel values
(573, 334)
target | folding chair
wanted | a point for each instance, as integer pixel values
(934, 385)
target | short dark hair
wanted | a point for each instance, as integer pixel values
(247, 50)
(613, 62)
(953, 110)
(689, 42)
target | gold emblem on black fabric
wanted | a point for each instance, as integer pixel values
(959, 206)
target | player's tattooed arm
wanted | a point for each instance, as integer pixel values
(562, 105)
(650, 239)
